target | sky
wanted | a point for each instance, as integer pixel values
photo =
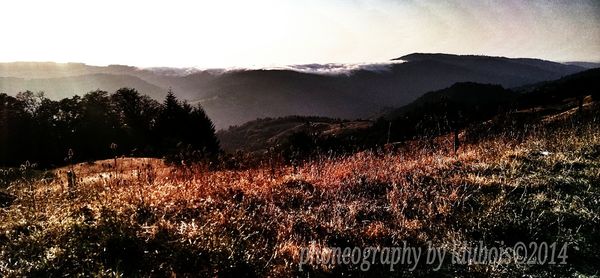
(227, 33)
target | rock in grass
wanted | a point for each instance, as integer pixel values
(299, 184)
(6, 199)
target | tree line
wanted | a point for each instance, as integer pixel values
(99, 125)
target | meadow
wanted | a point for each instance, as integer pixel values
(142, 217)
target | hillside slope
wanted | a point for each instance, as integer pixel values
(263, 134)
(139, 217)
(434, 113)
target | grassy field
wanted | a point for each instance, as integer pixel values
(140, 217)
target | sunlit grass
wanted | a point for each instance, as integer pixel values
(142, 217)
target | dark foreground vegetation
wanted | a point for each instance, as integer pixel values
(100, 125)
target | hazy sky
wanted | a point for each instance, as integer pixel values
(225, 33)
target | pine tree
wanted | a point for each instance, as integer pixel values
(186, 131)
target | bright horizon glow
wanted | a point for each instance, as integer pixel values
(226, 33)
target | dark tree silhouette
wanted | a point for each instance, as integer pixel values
(97, 128)
(187, 133)
(34, 128)
(15, 125)
(137, 116)
(204, 132)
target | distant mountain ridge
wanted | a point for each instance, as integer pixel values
(507, 66)
(436, 112)
(587, 65)
(235, 97)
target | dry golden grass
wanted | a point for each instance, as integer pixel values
(142, 217)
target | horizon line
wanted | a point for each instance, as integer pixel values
(275, 66)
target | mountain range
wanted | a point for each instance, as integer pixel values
(434, 113)
(233, 97)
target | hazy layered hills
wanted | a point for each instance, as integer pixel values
(476, 101)
(235, 97)
(429, 114)
(62, 87)
(58, 80)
